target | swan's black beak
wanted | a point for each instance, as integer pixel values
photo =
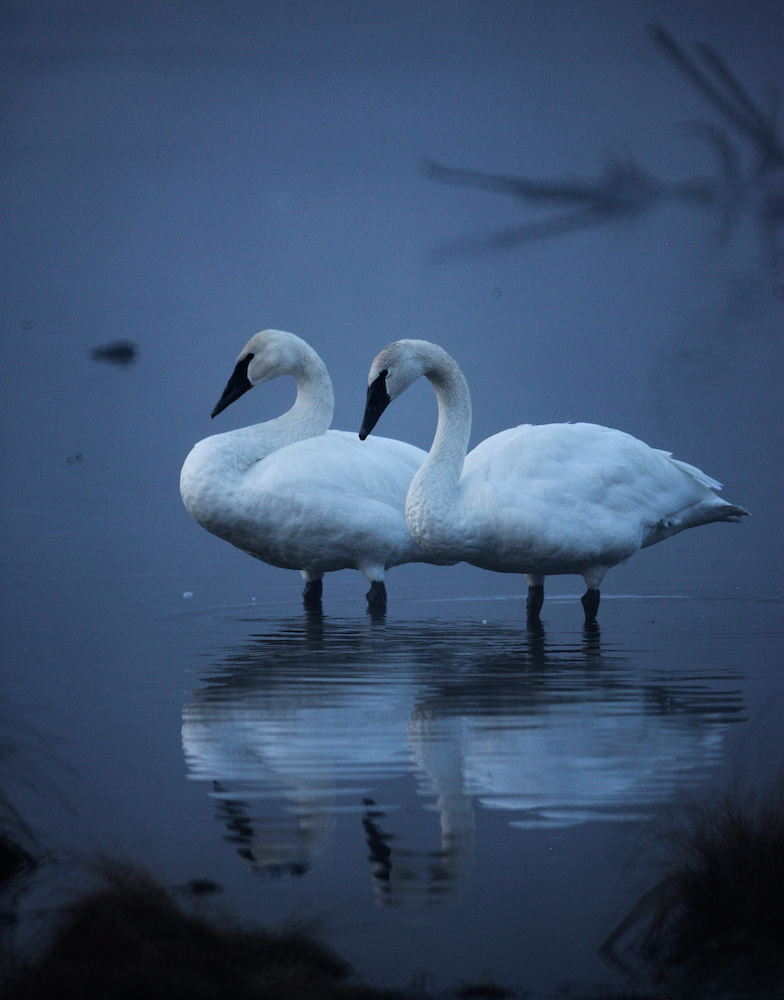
(238, 384)
(377, 402)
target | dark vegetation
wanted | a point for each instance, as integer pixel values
(712, 926)
(130, 938)
(19, 853)
(713, 923)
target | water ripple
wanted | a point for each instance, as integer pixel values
(309, 719)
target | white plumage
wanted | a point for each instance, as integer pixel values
(294, 494)
(539, 500)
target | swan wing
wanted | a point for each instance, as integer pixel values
(327, 503)
(579, 494)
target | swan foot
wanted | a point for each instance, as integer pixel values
(312, 592)
(590, 601)
(534, 601)
(377, 595)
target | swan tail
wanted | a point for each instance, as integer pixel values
(732, 513)
(714, 509)
(708, 512)
(694, 472)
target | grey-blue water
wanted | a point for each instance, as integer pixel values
(442, 792)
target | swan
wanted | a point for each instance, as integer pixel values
(539, 500)
(294, 494)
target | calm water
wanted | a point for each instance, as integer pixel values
(441, 791)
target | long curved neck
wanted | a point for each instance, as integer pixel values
(216, 465)
(312, 411)
(433, 494)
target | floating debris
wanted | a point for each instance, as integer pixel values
(120, 352)
(197, 887)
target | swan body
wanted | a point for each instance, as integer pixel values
(294, 494)
(539, 500)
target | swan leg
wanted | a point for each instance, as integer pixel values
(312, 592)
(377, 595)
(590, 601)
(535, 599)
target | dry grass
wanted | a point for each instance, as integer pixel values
(716, 917)
(129, 938)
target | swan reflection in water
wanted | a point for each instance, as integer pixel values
(314, 721)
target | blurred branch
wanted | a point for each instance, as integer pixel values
(736, 106)
(623, 189)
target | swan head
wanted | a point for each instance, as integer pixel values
(267, 355)
(394, 369)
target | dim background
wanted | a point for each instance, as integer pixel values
(181, 176)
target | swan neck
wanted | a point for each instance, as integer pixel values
(432, 502)
(233, 452)
(214, 471)
(314, 406)
(453, 431)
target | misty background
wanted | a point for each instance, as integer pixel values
(181, 177)
(177, 177)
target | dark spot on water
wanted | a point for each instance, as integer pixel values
(201, 887)
(120, 352)
(75, 458)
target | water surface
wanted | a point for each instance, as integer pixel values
(442, 792)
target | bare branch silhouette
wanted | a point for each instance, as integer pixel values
(766, 184)
(515, 236)
(623, 189)
(736, 106)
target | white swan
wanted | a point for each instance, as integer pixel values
(295, 495)
(539, 500)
